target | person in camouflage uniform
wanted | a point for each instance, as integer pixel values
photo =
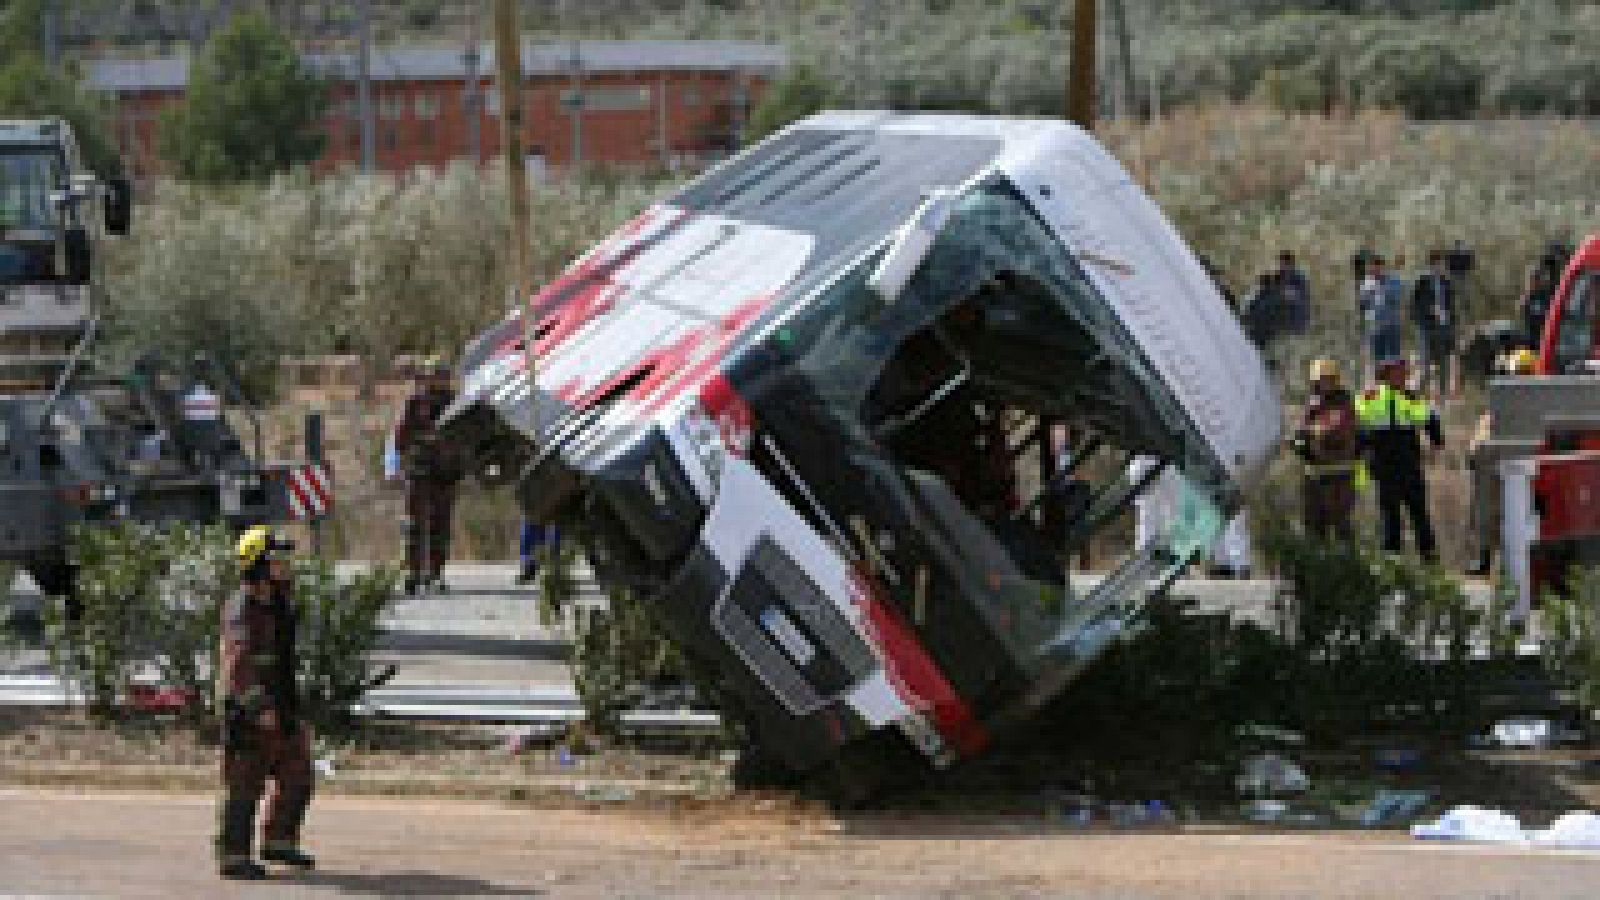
(263, 738)
(430, 477)
(1328, 442)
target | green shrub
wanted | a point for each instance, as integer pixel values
(152, 598)
(339, 630)
(1572, 635)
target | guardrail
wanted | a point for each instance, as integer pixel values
(549, 705)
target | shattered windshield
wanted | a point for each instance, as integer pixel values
(27, 178)
(1007, 410)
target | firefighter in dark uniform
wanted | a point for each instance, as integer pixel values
(1393, 419)
(430, 476)
(262, 738)
(1328, 442)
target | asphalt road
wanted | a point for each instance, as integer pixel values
(157, 845)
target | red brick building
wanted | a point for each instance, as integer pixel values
(615, 103)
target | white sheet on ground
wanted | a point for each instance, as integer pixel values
(1473, 823)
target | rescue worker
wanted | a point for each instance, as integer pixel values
(263, 737)
(1328, 442)
(1392, 418)
(430, 476)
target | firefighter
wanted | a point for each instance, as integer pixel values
(1328, 442)
(262, 736)
(430, 476)
(1392, 419)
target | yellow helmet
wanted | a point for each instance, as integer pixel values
(1522, 361)
(1325, 369)
(257, 543)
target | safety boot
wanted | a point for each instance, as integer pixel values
(529, 572)
(245, 869)
(287, 854)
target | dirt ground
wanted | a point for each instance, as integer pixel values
(137, 845)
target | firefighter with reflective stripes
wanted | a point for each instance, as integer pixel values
(262, 736)
(1328, 442)
(1393, 419)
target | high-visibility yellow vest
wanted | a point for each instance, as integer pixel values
(1383, 408)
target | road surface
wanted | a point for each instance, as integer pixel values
(156, 845)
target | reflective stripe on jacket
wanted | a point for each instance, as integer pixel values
(1392, 422)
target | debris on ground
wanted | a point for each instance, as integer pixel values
(1270, 773)
(1524, 732)
(1389, 806)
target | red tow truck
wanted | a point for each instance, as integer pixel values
(1546, 439)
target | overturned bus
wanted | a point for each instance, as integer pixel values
(814, 404)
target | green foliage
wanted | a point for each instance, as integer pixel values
(617, 653)
(251, 109)
(1572, 635)
(373, 265)
(152, 598)
(1369, 637)
(618, 650)
(799, 93)
(31, 89)
(1429, 58)
(339, 630)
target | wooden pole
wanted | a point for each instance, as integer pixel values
(1081, 97)
(508, 62)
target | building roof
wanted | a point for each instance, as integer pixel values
(446, 62)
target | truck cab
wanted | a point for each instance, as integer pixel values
(1571, 343)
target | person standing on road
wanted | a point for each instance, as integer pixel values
(1433, 311)
(263, 737)
(1392, 419)
(431, 475)
(1381, 299)
(1328, 442)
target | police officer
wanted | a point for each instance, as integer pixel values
(1392, 419)
(263, 738)
(430, 476)
(1328, 442)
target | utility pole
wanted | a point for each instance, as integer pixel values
(369, 148)
(50, 32)
(508, 60)
(1119, 21)
(472, 95)
(578, 103)
(1081, 96)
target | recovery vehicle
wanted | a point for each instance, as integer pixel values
(805, 407)
(77, 445)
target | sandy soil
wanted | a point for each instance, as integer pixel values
(156, 845)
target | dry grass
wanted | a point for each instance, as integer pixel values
(381, 266)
